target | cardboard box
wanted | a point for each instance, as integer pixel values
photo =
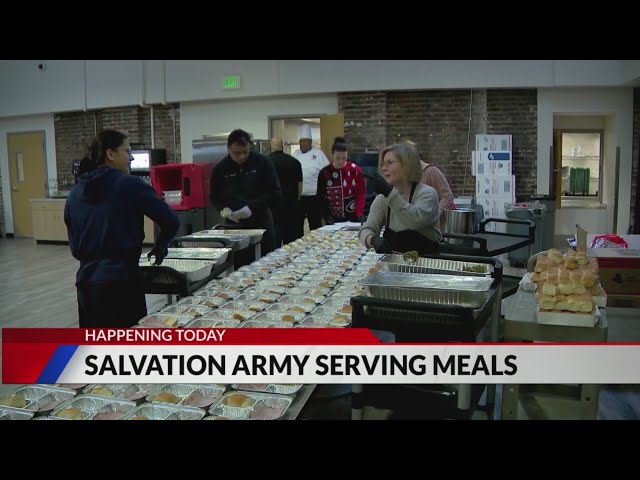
(623, 301)
(493, 142)
(491, 186)
(619, 280)
(491, 163)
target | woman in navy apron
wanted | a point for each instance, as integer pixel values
(407, 209)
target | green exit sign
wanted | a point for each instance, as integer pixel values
(231, 82)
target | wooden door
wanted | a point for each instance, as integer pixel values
(331, 126)
(556, 171)
(27, 177)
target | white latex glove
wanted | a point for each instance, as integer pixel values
(243, 213)
(233, 216)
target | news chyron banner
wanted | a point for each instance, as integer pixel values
(311, 356)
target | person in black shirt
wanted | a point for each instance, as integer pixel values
(246, 183)
(287, 212)
(104, 215)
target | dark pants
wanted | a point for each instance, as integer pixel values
(111, 305)
(312, 210)
(288, 222)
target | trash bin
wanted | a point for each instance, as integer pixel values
(549, 220)
(525, 211)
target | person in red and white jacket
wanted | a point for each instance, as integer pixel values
(341, 187)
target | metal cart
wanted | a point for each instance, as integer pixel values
(490, 244)
(424, 321)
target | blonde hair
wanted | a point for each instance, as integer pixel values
(408, 156)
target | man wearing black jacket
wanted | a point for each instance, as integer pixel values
(287, 212)
(245, 182)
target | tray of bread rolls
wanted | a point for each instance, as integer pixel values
(251, 405)
(572, 273)
(570, 310)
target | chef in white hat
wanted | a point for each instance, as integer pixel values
(312, 161)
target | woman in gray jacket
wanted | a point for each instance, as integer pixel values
(408, 209)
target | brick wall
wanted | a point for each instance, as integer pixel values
(444, 124)
(635, 159)
(516, 112)
(75, 131)
(365, 117)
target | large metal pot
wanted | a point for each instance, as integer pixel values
(459, 221)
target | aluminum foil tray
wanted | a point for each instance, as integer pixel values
(205, 237)
(279, 275)
(268, 289)
(92, 407)
(438, 289)
(287, 317)
(254, 234)
(217, 255)
(221, 293)
(336, 320)
(136, 392)
(301, 299)
(265, 298)
(209, 302)
(336, 302)
(279, 388)
(8, 413)
(253, 405)
(330, 273)
(314, 292)
(223, 314)
(276, 283)
(258, 324)
(108, 390)
(291, 307)
(313, 284)
(235, 284)
(184, 309)
(397, 263)
(72, 386)
(330, 310)
(250, 306)
(40, 399)
(189, 395)
(428, 281)
(165, 320)
(194, 270)
(208, 322)
(161, 411)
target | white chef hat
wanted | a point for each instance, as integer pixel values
(305, 132)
